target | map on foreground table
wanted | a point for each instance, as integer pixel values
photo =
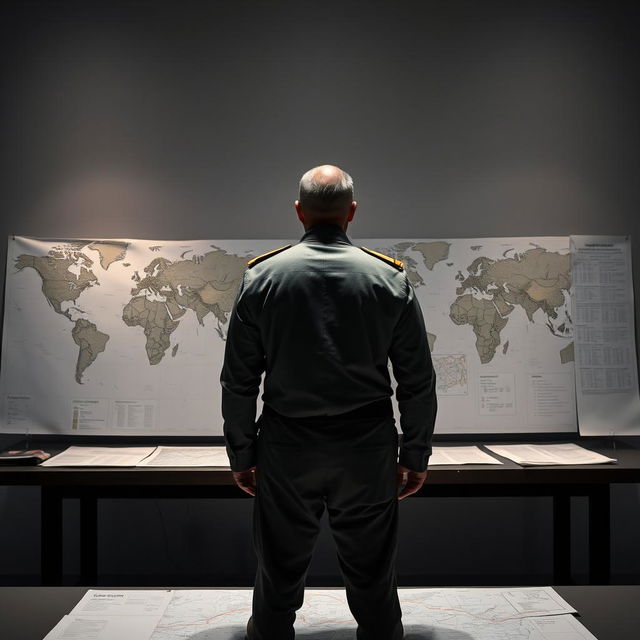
(533, 613)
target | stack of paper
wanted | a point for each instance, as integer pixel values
(99, 457)
(460, 455)
(140, 457)
(543, 454)
(187, 457)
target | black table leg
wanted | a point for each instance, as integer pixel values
(51, 536)
(88, 540)
(599, 535)
(561, 539)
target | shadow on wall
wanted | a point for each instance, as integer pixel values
(412, 632)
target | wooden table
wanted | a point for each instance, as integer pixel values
(559, 482)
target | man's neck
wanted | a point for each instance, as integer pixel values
(326, 232)
(330, 223)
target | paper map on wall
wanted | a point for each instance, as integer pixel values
(127, 336)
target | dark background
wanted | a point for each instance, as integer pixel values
(186, 119)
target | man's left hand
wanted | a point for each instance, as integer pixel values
(409, 481)
(246, 480)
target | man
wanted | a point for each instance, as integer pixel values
(321, 319)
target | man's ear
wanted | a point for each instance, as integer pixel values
(299, 210)
(352, 211)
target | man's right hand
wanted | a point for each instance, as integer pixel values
(409, 481)
(246, 480)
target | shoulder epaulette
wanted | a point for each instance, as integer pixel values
(398, 264)
(264, 256)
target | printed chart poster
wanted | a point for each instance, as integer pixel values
(607, 372)
(127, 336)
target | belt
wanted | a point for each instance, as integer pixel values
(376, 409)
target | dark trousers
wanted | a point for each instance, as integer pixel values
(347, 464)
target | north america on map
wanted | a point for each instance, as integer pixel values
(203, 284)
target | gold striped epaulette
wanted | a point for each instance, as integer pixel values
(398, 264)
(264, 256)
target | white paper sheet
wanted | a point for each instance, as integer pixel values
(604, 335)
(127, 602)
(187, 457)
(110, 627)
(98, 457)
(549, 454)
(460, 455)
(495, 604)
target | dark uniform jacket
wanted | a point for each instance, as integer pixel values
(322, 319)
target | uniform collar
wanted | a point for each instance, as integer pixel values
(326, 233)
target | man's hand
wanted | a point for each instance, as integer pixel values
(246, 480)
(409, 481)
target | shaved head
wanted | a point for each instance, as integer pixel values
(326, 189)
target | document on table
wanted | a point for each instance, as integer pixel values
(549, 454)
(98, 457)
(187, 457)
(604, 335)
(482, 614)
(113, 615)
(84, 627)
(450, 614)
(127, 602)
(460, 455)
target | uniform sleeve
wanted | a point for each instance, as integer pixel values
(244, 363)
(416, 391)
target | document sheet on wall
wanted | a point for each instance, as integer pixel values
(604, 334)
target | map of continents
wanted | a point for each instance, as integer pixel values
(202, 284)
(535, 279)
(66, 272)
(207, 284)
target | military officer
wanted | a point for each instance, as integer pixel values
(322, 319)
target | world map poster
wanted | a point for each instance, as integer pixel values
(123, 336)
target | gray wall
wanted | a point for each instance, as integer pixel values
(183, 119)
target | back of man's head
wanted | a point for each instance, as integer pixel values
(326, 190)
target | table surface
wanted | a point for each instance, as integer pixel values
(609, 612)
(626, 469)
